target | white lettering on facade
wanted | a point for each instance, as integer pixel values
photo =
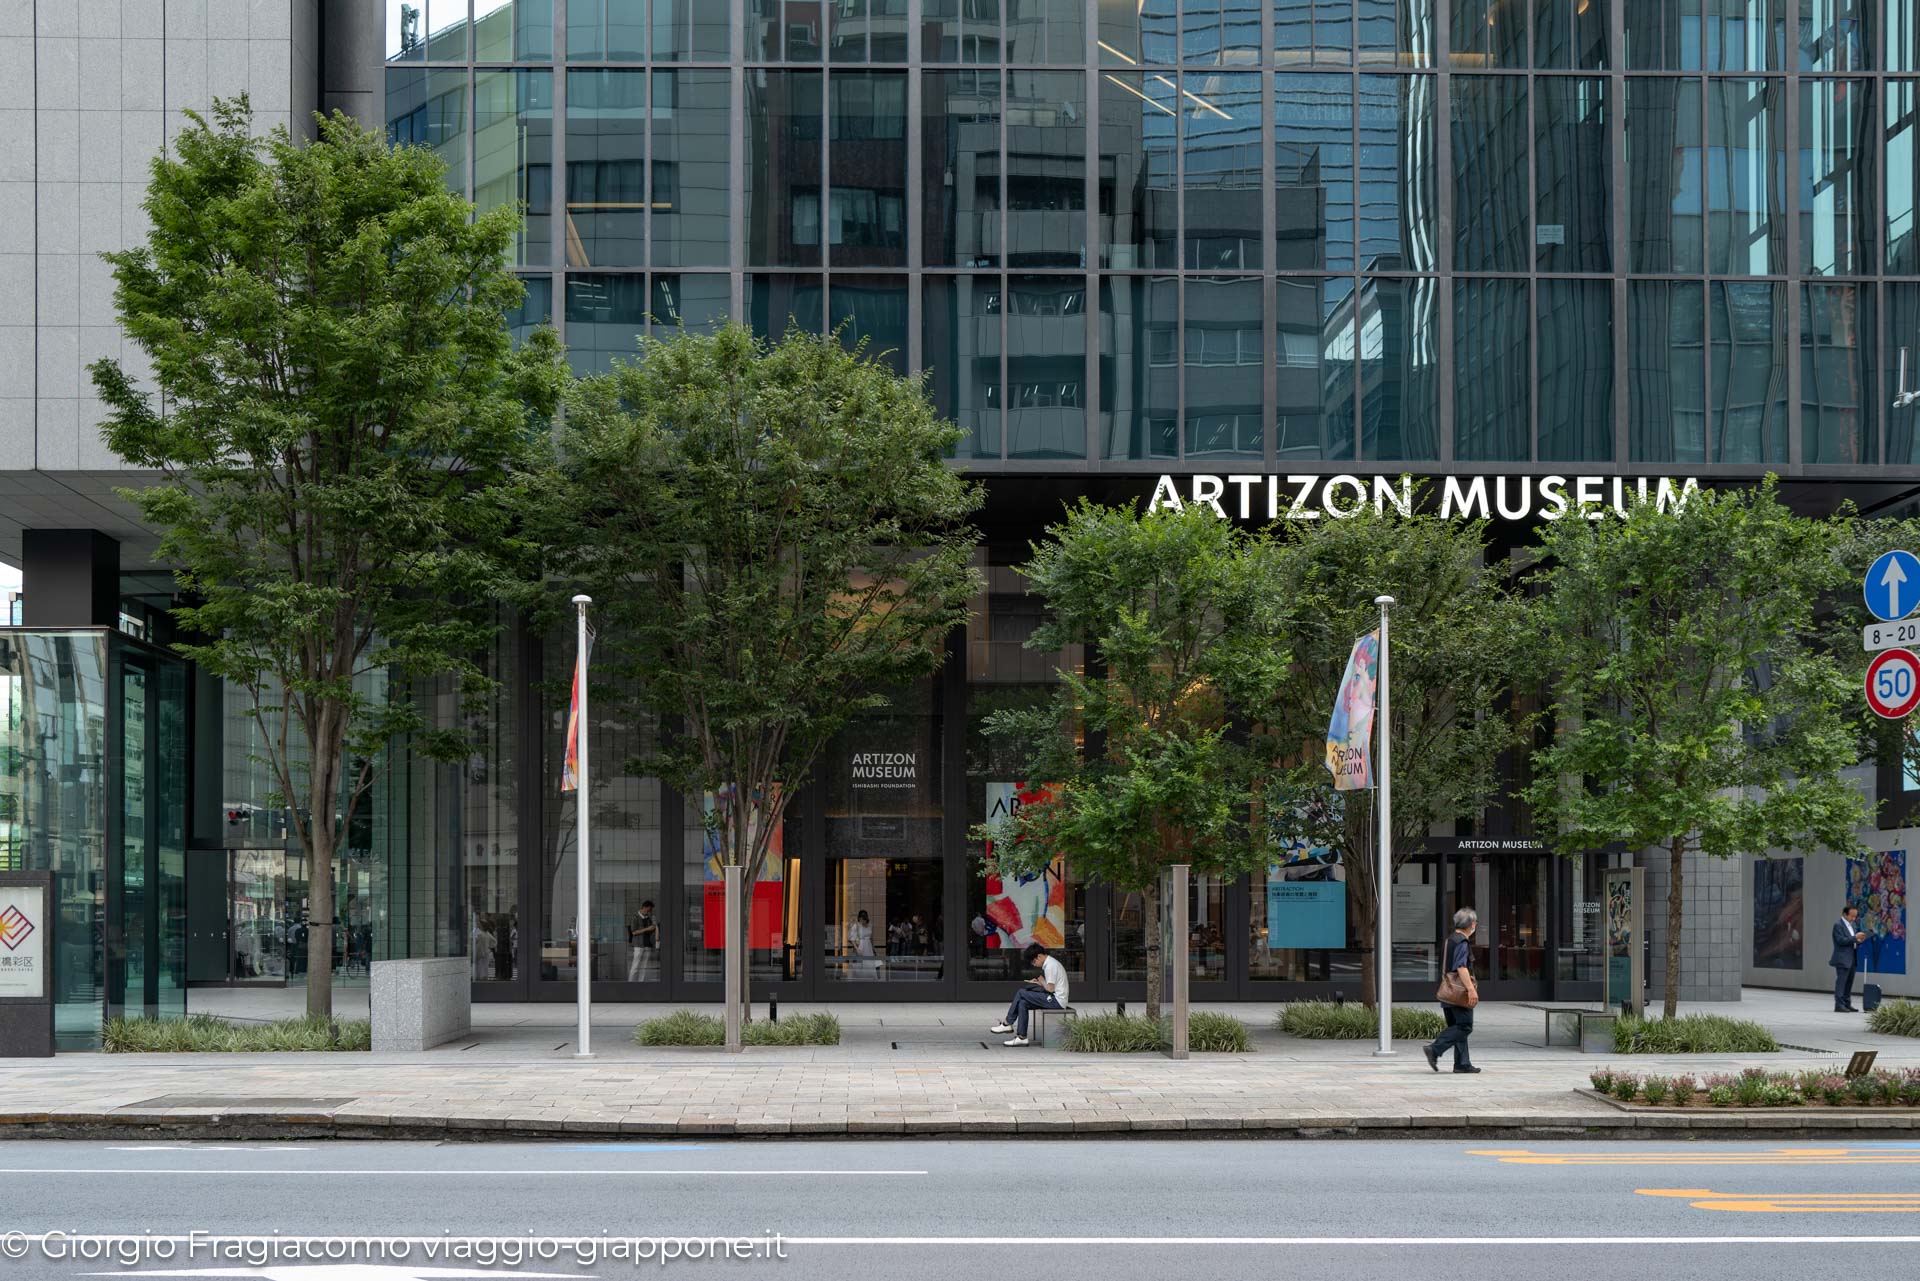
(1466, 502)
(1509, 497)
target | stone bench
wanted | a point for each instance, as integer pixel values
(418, 1004)
(1037, 1022)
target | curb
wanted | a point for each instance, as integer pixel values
(1670, 1125)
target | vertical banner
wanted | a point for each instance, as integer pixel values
(1779, 912)
(1877, 885)
(1350, 732)
(1624, 977)
(570, 763)
(1023, 909)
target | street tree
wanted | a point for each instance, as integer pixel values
(337, 415)
(1695, 707)
(772, 536)
(1456, 632)
(1144, 755)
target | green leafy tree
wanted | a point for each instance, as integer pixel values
(1695, 706)
(772, 536)
(1455, 647)
(1182, 616)
(340, 419)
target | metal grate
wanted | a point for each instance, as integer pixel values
(288, 1103)
(936, 1047)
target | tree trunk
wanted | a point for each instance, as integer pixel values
(1156, 980)
(1670, 998)
(1366, 926)
(326, 752)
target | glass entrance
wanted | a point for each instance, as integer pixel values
(257, 916)
(1510, 893)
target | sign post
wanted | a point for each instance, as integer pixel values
(583, 888)
(1893, 683)
(1892, 585)
(1383, 876)
(26, 965)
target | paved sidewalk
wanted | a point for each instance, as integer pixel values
(903, 1069)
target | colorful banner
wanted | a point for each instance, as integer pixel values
(1350, 733)
(570, 766)
(1877, 885)
(1023, 909)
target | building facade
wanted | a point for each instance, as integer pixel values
(1251, 245)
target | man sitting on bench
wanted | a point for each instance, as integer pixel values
(1048, 992)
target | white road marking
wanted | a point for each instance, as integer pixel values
(442, 1174)
(1076, 1242)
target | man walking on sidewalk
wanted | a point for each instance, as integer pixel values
(1847, 942)
(1458, 995)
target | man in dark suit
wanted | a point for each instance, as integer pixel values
(1847, 942)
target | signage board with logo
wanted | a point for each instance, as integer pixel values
(26, 964)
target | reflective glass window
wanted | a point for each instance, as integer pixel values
(1836, 164)
(1220, 32)
(486, 799)
(1135, 31)
(1834, 35)
(1139, 211)
(1571, 34)
(1313, 172)
(803, 23)
(692, 139)
(513, 155)
(960, 168)
(606, 168)
(1898, 39)
(1746, 178)
(1575, 365)
(429, 109)
(607, 30)
(849, 32)
(1838, 396)
(1314, 370)
(774, 921)
(1666, 175)
(606, 314)
(1396, 32)
(1140, 366)
(1666, 371)
(1900, 118)
(776, 303)
(1573, 171)
(1398, 204)
(1398, 331)
(1747, 371)
(535, 309)
(1492, 377)
(1046, 32)
(783, 176)
(962, 31)
(1662, 35)
(1221, 121)
(1490, 195)
(692, 30)
(1489, 33)
(512, 30)
(1745, 35)
(763, 30)
(1046, 135)
(690, 300)
(867, 168)
(1046, 366)
(1314, 32)
(960, 347)
(1902, 323)
(1226, 366)
(873, 310)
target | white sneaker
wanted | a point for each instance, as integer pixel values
(1016, 1041)
(1001, 1029)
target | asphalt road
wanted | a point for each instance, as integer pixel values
(927, 1210)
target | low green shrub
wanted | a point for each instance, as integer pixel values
(209, 1034)
(1326, 1021)
(1720, 1096)
(1691, 1034)
(1899, 1017)
(1602, 1079)
(1117, 1034)
(1216, 1033)
(1655, 1089)
(686, 1027)
(1625, 1086)
(1684, 1088)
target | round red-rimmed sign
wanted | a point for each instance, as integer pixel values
(1893, 683)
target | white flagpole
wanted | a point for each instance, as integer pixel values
(583, 900)
(1383, 876)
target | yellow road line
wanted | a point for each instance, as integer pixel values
(1792, 1202)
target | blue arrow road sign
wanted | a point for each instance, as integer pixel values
(1893, 586)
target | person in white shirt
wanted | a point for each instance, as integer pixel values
(1048, 992)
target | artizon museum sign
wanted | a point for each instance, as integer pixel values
(1250, 495)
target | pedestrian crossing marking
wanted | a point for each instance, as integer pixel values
(1792, 1202)
(1768, 1156)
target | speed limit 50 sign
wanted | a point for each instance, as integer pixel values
(1893, 683)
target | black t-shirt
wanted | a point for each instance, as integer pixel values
(1459, 953)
